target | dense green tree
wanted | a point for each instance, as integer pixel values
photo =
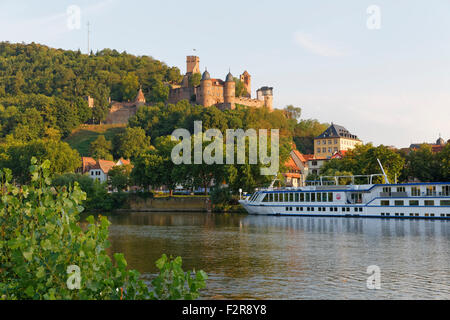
(422, 164)
(194, 79)
(363, 161)
(305, 132)
(101, 148)
(17, 155)
(132, 143)
(119, 177)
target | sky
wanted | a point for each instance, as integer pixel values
(380, 68)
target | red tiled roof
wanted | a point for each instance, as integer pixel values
(124, 162)
(87, 163)
(104, 165)
(308, 156)
(290, 164)
(299, 155)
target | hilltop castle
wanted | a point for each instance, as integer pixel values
(216, 92)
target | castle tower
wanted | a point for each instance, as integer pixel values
(229, 91)
(140, 98)
(192, 64)
(205, 98)
(246, 79)
(266, 94)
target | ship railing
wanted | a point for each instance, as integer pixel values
(334, 180)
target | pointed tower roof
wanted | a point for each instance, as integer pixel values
(140, 98)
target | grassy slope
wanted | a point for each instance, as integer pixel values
(81, 138)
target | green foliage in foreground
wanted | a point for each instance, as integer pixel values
(44, 249)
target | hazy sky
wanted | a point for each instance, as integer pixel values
(389, 85)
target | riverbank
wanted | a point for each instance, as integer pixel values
(137, 203)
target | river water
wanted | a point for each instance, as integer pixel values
(268, 257)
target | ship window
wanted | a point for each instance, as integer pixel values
(415, 191)
(399, 203)
(446, 190)
(401, 189)
(445, 202)
(302, 197)
(411, 214)
(291, 197)
(431, 190)
(387, 189)
(413, 202)
(313, 197)
(324, 197)
(384, 202)
(308, 209)
(429, 202)
(330, 196)
(319, 197)
(417, 214)
(270, 197)
(265, 198)
(308, 197)
(296, 197)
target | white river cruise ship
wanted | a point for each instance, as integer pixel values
(408, 200)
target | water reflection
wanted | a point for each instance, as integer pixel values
(265, 257)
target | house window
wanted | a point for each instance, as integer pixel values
(318, 141)
(329, 141)
(92, 173)
(329, 149)
(324, 150)
(335, 141)
(318, 150)
(314, 163)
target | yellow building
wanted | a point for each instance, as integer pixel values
(335, 138)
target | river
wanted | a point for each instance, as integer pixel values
(268, 257)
